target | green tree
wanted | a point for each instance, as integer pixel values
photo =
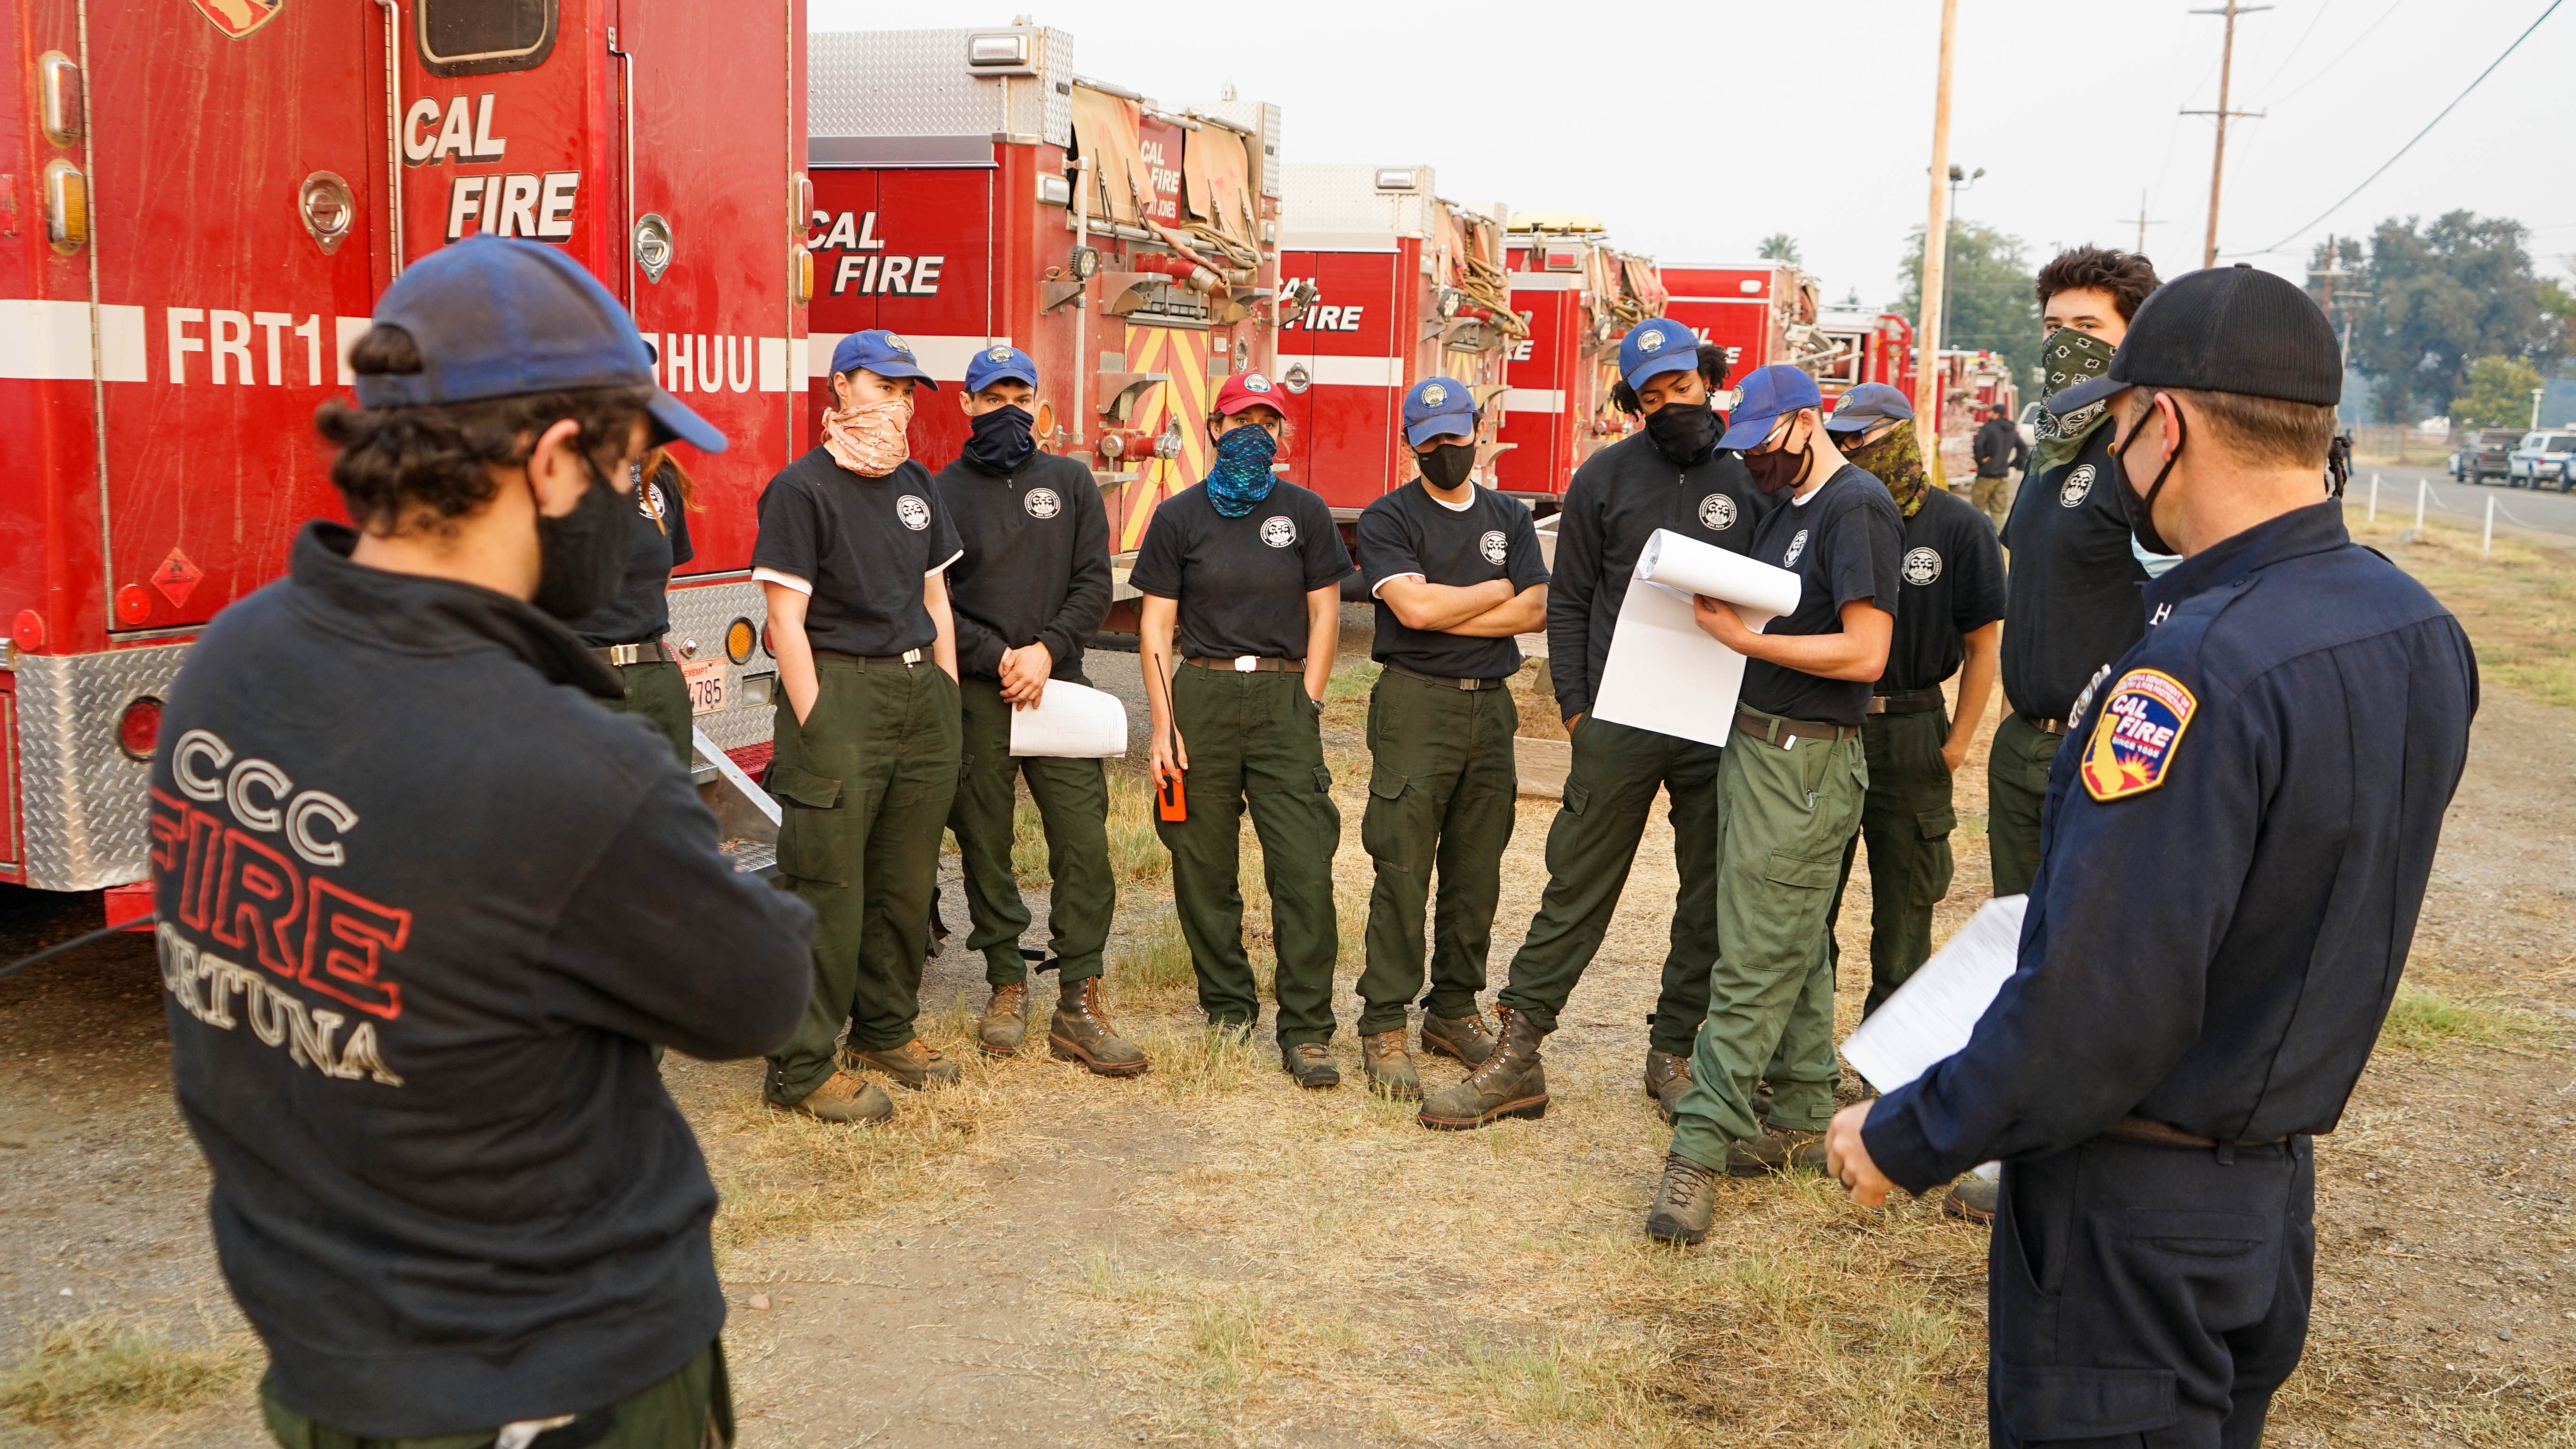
(2498, 394)
(1779, 246)
(2444, 294)
(1991, 306)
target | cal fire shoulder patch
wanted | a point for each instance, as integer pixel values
(2136, 733)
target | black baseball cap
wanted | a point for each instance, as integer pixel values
(2224, 329)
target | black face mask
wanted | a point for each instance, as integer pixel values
(1448, 465)
(2142, 510)
(581, 557)
(1779, 468)
(1001, 440)
(1685, 433)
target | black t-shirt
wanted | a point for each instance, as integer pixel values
(641, 612)
(1843, 544)
(862, 546)
(1241, 582)
(1953, 585)
(1616, 501)
(2074, 598)
(1411, 532)
(1036, 569)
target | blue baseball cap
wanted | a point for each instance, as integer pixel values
(882, 353)
(1003, 363)
(1765, 398)
(1654, 347)
(1438, 405)
(1866, 406)
(500, 317)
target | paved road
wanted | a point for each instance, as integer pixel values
(2517, 509)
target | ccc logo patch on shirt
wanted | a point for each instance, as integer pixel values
(1278, 531)
(2078, 483)
(2135, 737)
(1717, 513)
(1797, 546)
(1493, 546)
(1041, 503)
(914, 513)
(1922, 565)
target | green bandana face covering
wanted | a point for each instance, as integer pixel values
(1897, 461)
(2067, 358)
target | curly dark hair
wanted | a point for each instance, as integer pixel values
(2127, 276)
(424, 466)
(1712, 366)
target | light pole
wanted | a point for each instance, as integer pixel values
(1959, 177)
(2535, 406)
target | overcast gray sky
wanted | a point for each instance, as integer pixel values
(1694, 131)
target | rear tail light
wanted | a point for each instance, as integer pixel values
(739, 637)
(138, 729)
(66, 207)
(60, 82)
(804, 275)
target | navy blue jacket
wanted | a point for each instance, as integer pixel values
(2238, 834)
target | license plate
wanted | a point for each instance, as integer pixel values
(706, 679)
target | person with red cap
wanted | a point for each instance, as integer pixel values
(1247, 568)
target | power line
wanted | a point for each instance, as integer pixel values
(2339, 55)
(2420, 135)
(2293, 52)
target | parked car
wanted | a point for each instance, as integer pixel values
(2543, 458)
(2485, 453)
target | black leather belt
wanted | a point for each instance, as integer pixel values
(2143, 1129)
(1249, 664)
(1770, 727)
(2046, 726)
(1447, 681)
(907, 657)
(617, 655)
(1907, 701)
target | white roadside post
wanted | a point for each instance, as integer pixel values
(2374, 498)
(2421, 488)
(2486, 545)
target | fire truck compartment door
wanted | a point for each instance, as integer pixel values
(1108, 130)
(211, 463)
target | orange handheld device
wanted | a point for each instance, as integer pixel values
(1167, 797)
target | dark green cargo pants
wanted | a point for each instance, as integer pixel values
(1073, 803)
(658, 691)
(1785, 816)
(864, 784)
(1905, 820)
(1255, 738)
(2016, 787)
(691, 1409)
(1609, 792)
(1442, 787)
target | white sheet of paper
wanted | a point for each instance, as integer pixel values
(1932, 1014)
(1072, 721)
(1664, 674)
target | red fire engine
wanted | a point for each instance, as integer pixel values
(1578, 296)
(972, 191)
(1405, 285)
(1764, 312)
(198, 209)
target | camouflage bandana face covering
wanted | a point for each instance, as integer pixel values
(1897, 461)
(2068, 357)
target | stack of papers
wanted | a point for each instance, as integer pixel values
(1664, 672)
(1931, 1016)
(1071, 721)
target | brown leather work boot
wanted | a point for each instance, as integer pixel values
(1685, 1202)
(1461, 1037)
(1390, 1066)
(915, 1064)
(1005, 1023)
(1973, 1198)
(1081, 1032)
(1776, 1151)
(1667, 1077)
(843, 1099)
(1511, 1082)
(1310, 1065)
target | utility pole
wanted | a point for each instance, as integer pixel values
(2144, 221)
(2339, 301)
(1936, 249)
(2218, 156)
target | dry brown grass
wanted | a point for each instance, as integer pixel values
(2518, 604)
(91, 1369)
